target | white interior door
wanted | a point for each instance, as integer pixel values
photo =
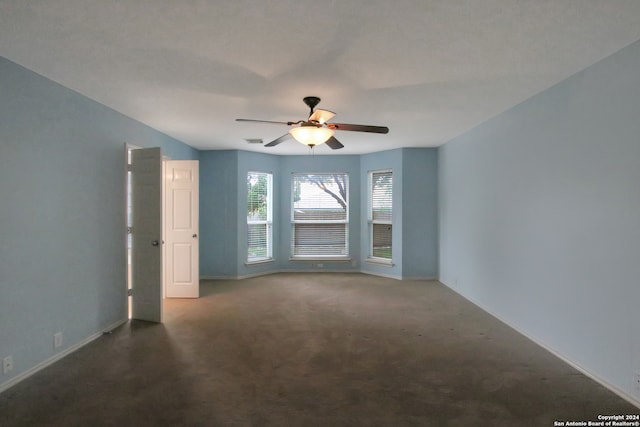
(182, 251)
(146, 232)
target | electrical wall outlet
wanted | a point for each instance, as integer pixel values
(57, 340)
(7, 365)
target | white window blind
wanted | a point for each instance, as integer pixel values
(319, 215)
(381, 213)
(259, 216)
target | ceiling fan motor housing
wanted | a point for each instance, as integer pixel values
(311, 101)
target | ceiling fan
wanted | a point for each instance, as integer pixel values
(316, 129)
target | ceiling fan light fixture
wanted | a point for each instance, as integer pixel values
(311, 135)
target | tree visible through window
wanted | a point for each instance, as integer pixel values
(320, 215)
(381, 213)
(259, 216)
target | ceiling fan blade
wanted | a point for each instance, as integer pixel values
(333, 143)
(266, 121)
(278, 140)
(321, 116)
(358, 128)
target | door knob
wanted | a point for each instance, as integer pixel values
(155, 243)
(194, 236)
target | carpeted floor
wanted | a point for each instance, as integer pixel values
(311, 350)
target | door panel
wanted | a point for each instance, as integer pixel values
(146, 233)
(182, 229)
(182, 263)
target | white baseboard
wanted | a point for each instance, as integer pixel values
(246, 276)
(320, 270)
(614, 389)
(315, 270)
(388, 276)
(26, 374)
(420, 278)
(266, 273)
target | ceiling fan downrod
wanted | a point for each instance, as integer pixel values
(311, 101)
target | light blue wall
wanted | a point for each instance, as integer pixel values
(219, 214)
(419, 213)
(540, 218)
(62, 214)
(223, 202)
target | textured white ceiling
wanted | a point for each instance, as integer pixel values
(428, 69)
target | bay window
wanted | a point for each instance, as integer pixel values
(319, 215)
(380, 214)
(259, 217)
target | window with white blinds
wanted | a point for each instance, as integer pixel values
(319, 215)
(380, 214)
(259, 217)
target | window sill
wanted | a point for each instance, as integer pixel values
(260, 261)
(380, 261)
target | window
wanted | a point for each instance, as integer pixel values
(380, 214)
(320, 215)
(259, 217)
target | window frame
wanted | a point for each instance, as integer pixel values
(338, 257)
(268, 221)
(371, 222)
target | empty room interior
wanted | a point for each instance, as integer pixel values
(307, 213)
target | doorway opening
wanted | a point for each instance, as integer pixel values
(161, 203)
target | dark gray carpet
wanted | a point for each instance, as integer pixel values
(311, 350)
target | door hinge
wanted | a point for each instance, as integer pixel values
(129, 230)
(129, 168)
(129, 292)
